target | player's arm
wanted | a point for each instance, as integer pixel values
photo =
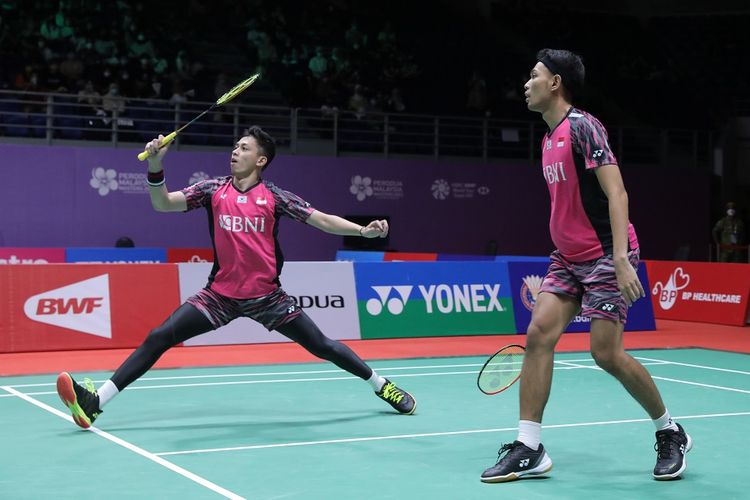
(611, 182)
(161, 199)
(334, 224)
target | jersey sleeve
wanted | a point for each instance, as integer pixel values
(199, 194)
(590, 140)
(291, 205)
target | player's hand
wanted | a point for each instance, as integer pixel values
(155, 154)
(628, 282)
(375, 229)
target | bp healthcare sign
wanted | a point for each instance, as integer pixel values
(427, 299)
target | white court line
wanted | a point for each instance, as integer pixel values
(277, 381)
(261, 374)
(140, 451)
(722, 388)
(687, 382)
(436, 434)
(696, 366)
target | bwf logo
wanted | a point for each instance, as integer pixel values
(82, 306)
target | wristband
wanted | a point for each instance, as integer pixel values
(155, 179)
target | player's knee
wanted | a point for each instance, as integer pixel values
(539, 338)
(607, 359)
(159, 339)
(323, 348)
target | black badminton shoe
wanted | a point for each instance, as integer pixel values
(83, 401)
(515, 460)
(399, 399)
(671, 447)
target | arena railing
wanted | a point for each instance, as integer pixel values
(52, 118)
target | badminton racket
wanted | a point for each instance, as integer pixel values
(231, 94)
(501, 370)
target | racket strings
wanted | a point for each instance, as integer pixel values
(501, 371)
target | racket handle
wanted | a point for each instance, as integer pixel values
(166, 140)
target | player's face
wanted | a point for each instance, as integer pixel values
(246, 157)
(538, 88)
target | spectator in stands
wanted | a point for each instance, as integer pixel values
(88, 96)
(318, 64)
(729, 235)
(387, 37)
(355, 39)
(358, 102)
(112, 101)
(71, 69)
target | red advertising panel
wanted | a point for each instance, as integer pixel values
(700, 291)
(83, 306)
(409, 256)
(11, 255)
(190, 255)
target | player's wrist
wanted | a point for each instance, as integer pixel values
(155, 179)
(361, 228)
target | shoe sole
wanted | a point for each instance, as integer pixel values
(675, 475)
(544, 467)
(68, 396)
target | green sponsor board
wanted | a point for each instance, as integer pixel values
(417, 318)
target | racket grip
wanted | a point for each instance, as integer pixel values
(166, 140)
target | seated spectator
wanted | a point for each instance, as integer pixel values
(112, 101)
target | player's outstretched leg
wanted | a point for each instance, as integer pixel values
(515, 460)
(399, 399)
(671, 447)
(83, 402)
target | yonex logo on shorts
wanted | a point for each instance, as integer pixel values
(608, 307)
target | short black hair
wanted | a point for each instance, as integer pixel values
(265, 142)
(566, 64)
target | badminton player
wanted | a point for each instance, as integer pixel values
(593, 269)
(244, 211)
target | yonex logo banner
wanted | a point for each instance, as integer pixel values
(526, 279)
(400, 299)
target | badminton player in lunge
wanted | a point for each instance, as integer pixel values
(244, 211)
(593, 270)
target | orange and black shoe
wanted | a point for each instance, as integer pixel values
(399, 399)
(83, 402)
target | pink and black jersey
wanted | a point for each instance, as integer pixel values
(579, 222)
(244, 227)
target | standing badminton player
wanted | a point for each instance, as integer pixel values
(592, 270)
(244, 212)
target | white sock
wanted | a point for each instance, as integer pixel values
(664, 422)
(530, 433)
(106, 392)
(376, 381)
